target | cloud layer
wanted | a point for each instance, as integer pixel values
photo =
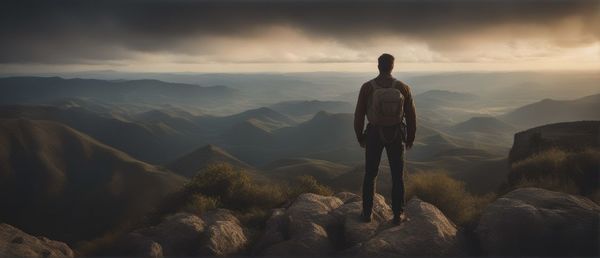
(73, 32)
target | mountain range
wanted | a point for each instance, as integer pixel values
(42, 90)
(79, 150)
(55, 181)
(553, 111)
(193, 162)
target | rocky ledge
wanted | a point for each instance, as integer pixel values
(538, 222)
(326, 225)
(16, 243)
(524, 222)
(215, 233)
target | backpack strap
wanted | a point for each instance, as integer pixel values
(374, 84)
(400, 86)
(396, 83)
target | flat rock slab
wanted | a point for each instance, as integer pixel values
(428, 232)
(538, 222)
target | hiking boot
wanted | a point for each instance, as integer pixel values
(399, 218)
(366, 217)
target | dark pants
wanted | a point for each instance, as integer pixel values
(395, 152)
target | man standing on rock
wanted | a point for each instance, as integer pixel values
(388, 105)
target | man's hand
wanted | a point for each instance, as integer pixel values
(409, 145)
(362, 141)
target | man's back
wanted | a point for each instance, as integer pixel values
(388, 105)
(362, 106)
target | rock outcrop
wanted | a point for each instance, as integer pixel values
(320, 225)
(223, 234)
(216, 232)
(354, 229)
(428, 232)
(303, 227)
(16, 243)
(527, 221)
(537, 222)
(567, 136)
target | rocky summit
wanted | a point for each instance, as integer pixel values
(320, 225)
(526, 221)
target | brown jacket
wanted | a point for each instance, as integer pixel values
(361, 110)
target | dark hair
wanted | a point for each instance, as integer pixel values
(385, 63)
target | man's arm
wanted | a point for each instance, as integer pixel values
(359, 114)
(411, 118)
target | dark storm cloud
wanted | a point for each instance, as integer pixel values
(88, 31)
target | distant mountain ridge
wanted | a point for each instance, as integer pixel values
(444, 107)
(550, 111)
(311, 107)
(446, 95)
(483, 125)
(190, 164)
(142, 139)
(489, 130)
(268, 117)
(61, 183)
(37, 90)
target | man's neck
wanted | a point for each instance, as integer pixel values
(385, 75)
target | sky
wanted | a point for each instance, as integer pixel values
(298, 36)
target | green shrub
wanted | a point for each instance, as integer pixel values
(223, 186)
(199, 203)
(558, 170)
(234, 189)
(307, 184)
(447, 194)
(550, 182)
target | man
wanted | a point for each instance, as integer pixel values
(388, 105)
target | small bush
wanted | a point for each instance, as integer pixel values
(199, 203)
(549, 182)
(558, 170)
(234, 189)
(222, 186)
(307, 184)
(448, 194)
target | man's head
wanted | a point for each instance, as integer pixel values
(385, 63)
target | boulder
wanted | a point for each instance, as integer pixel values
(302, 227)
(319, 225)
(312, 240)
(217, 233)
(312, 208)
(223, 234)
(427, 232)
(538, 222)
(179, 234)
(16, 243)
(354, 229)
(348, 197)
(275, 230)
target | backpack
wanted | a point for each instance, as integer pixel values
(386, 105)
(386, 108)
